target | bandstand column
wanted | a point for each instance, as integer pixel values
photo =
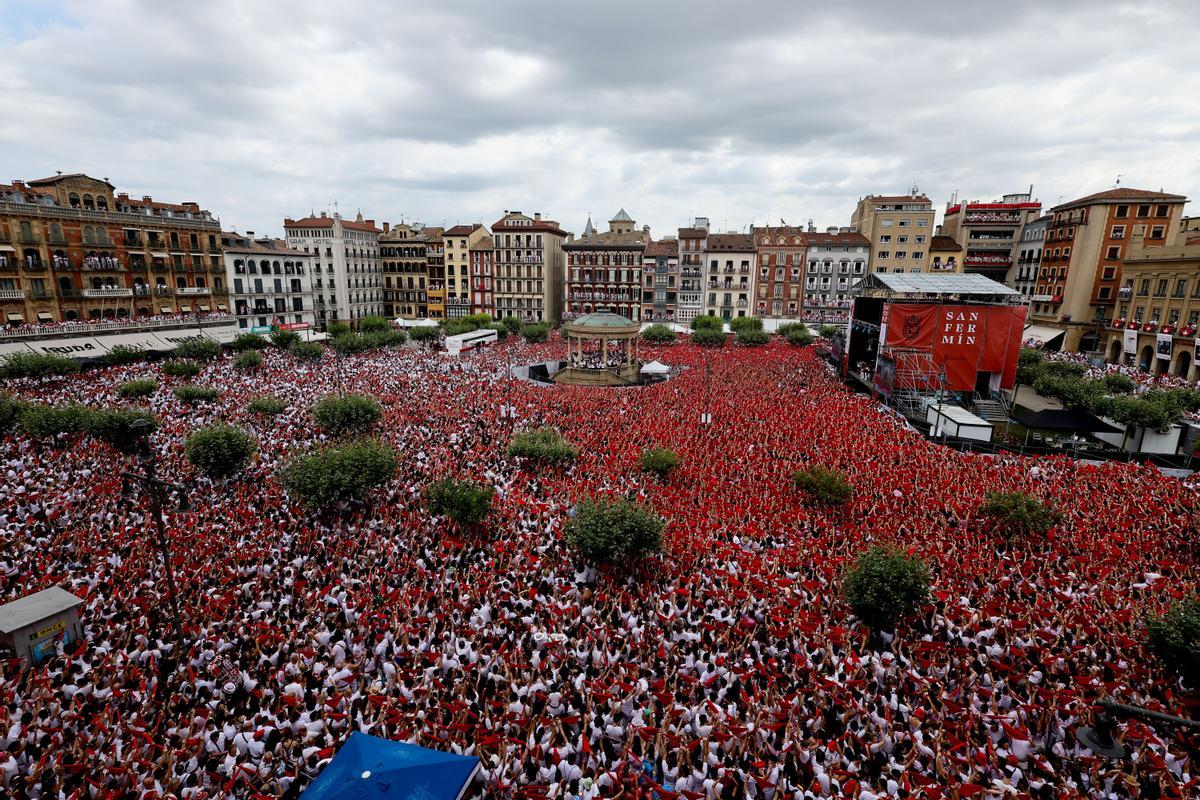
(604, 347)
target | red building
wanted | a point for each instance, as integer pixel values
(781, 255)
(604, 270)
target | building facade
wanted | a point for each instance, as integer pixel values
(660, 281)
(529, 267)
(435, 260)
(467, 285)
(945, 255)
(604, 270)
(1027, 257)
(71, 248)
(899, 228)
(270, 283)
(346, 272)
(781, 252)
(1083, 252)
(1157, 314)
(837, 260)
(989, 232)
(405, 269)
(730, 288)
(693, 249)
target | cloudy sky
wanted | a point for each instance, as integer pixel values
(745, 111)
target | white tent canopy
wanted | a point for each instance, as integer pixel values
(655, 368)
(1041, 335)
(414, 323)
(674, 326)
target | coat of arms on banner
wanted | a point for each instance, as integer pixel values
(912, 326)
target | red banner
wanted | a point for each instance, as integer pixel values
(964, 340)
(911, 326)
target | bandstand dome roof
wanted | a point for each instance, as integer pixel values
(601, 319)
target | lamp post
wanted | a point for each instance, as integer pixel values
(1099, 738)
(156, 491)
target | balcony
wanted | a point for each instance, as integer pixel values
(34, 264)
(12, 294)
(193, 290)
(108, 292)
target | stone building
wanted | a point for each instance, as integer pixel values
(604, 270)
(529, 267)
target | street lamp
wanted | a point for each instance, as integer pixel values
(156, 490)
(1099, 738)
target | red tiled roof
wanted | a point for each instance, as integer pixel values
(850, 239)
(327, 222)
(264, 246)
(692, 233)
(1119, 194)
(462, 230)
(537, 225)
(731, 242)
(899, 198)
(662, 248)
(53, 179)
(789, 232)
(943, 243)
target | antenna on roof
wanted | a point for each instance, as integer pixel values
(1118, 183)
(58, 172)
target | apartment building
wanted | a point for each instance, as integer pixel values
(346, 274)
(1157, 314)
(945, 255)
(730, 287)
(405, 269)
(72, 248)
(270, 283)
(1027, 257)
(468, 253)
(604, 270)
(781, 253)
(660, 280)
(693, 249)
(989, 232)
(837, 260)
(899, 228)
(529, 267)
(435, 260)
(1082, 257)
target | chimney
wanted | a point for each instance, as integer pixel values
(832, 229)
(646, 229)
(146, 198)
(249, 234)
(537, 215)
(323, 215)
(371, 222)
(387, 226)
(18, 183)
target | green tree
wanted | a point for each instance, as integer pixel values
(284, 339)
(708, 337)
(826, 486)
(141, 387)
(739, 324)
(116, 427)
(373, 325)
(346, 413)
(752, 336)
(658, 333)
(190, 393)
(1174, 637)
(200, 348)
(544, 445)
(344, 473)
(478, 320)
(123, 354)
(1019, 514)
(249, 341)
(708, 322)
(466, 502)
(1116, 383)
(267, 406)
(1029, 365)
(219, 450)
(512, 323)
(424, 334)
(660, 461)
(36, 365)
(828, 331)
(788, 327)
(884, 585)
(180, 369)
(10, 412)
(613, 532)
(338, 329)
(307, 351)
(500, 328)
(800, 337)
(536, 333)
(458, 327)
(43, 421)
(248, 361)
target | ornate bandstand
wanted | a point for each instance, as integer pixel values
(602, 350)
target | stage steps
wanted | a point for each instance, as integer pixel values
(991, 410)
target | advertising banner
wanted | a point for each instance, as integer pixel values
(963, 340)
(1129, 342)
(911, 325)
(139, 341)
(75, 347)
(1163, 345)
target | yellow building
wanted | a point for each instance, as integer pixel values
(459, 242)
(899, 228)
(945, 255)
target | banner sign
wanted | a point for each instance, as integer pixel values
(1164, 342)
(294, 326)
(1129, 342)
(964, 340)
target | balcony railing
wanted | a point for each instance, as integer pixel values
(193, 290)
(108, 292)
(12, 294)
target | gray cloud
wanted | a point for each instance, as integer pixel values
(456, 111)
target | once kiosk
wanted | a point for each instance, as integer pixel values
(33, 625)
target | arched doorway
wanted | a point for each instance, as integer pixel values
(1184, 365)
(1114, 351)
(1146, 357)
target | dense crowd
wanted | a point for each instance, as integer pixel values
(116, 324)
(1143, 381)
(727, 667)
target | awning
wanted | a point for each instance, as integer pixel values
(45, 316)
(1041, 335)
(8, 248)
(221, 307)
(166, 310)
(15, 318)
(139, 341)
(202, 308)
(185, 309)
(75, 347)
(163, 256)
(8, 348)
(1066, 420)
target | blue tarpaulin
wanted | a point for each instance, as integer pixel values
(370, 768)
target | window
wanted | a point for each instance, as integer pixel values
(922, 223)
(1144, 289)
(885, 239)
(1161, 289)
(904, 223)
(1117, 232)
(887, 223)
(1160, 211)
(1181, 287)
(902, 239)
(1156, 232)
(918, 253)
(1109, 273)
(883, 254)
(1143, 211)
(1113, 253)
(1105, 293)
(920, 238)
(1122, 212)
